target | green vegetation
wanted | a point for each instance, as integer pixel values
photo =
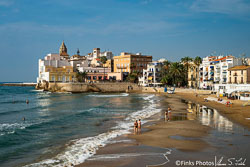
(81, 76)
(176, 73)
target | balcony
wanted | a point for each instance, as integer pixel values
(120, 67)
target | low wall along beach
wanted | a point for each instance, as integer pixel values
(90, 87)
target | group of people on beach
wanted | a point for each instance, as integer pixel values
(137, 126)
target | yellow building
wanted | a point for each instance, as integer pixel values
(128, 62)
(239, 75)
(193, 75)
(60, 74)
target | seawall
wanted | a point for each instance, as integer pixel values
(92, 87)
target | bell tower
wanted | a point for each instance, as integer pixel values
(63, 51)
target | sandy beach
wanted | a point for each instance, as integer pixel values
(236, 112)
(164, 143)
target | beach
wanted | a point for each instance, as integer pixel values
(198, 132)
(96, 129)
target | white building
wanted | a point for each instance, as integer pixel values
(107, 54)
(93, 69)
(151, 75)
(214, 69)
(240, 90)
(47, 66)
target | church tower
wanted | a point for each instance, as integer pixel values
(63, 51)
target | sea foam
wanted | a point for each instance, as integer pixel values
(77, 151)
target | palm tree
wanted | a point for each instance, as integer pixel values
(81, 76)
(176, 71)
(165, 77)
(103, 60)
(133, 77)
(197, 61)
(186, 60)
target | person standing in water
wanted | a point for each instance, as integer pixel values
(135, 126)
(139, 125)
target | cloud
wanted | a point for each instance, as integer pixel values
(6, 3)
(229, 7)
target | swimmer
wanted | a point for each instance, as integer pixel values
(27, 101)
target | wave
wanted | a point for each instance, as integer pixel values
(13, 102)
(77, 151)
(108, 95)
(9, 128)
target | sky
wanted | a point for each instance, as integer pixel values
(170, 29)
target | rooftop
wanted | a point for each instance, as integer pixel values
(238, 68)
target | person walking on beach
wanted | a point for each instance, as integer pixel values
(136, 126)
(166, 115)
(169, 113)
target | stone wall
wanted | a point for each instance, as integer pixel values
(93, 87)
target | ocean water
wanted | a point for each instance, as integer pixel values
(61, 129)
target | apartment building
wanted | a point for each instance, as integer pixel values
(128, 62)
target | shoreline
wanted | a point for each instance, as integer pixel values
(186, 138)
(146, 141)
(236, 113)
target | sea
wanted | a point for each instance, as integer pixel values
(62, 129)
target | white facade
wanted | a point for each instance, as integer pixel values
(151, 75)
(232, 89)
(52, 60)
(93, 69)
(214, 69)
(107, 54)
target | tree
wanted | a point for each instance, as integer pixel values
(165, 76)
(103, 60)
(133, 77)
(81, 76)
(176, 71)
(197, 61)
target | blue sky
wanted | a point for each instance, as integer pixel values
(171, 29)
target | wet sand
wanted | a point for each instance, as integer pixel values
(163, 143)
(237, 113)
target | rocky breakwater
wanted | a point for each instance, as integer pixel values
(90, 87)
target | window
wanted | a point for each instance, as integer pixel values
(99, 77)
(53, 78)
(94, 77)
(241, 72)
(241, 79)
(235, 79)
